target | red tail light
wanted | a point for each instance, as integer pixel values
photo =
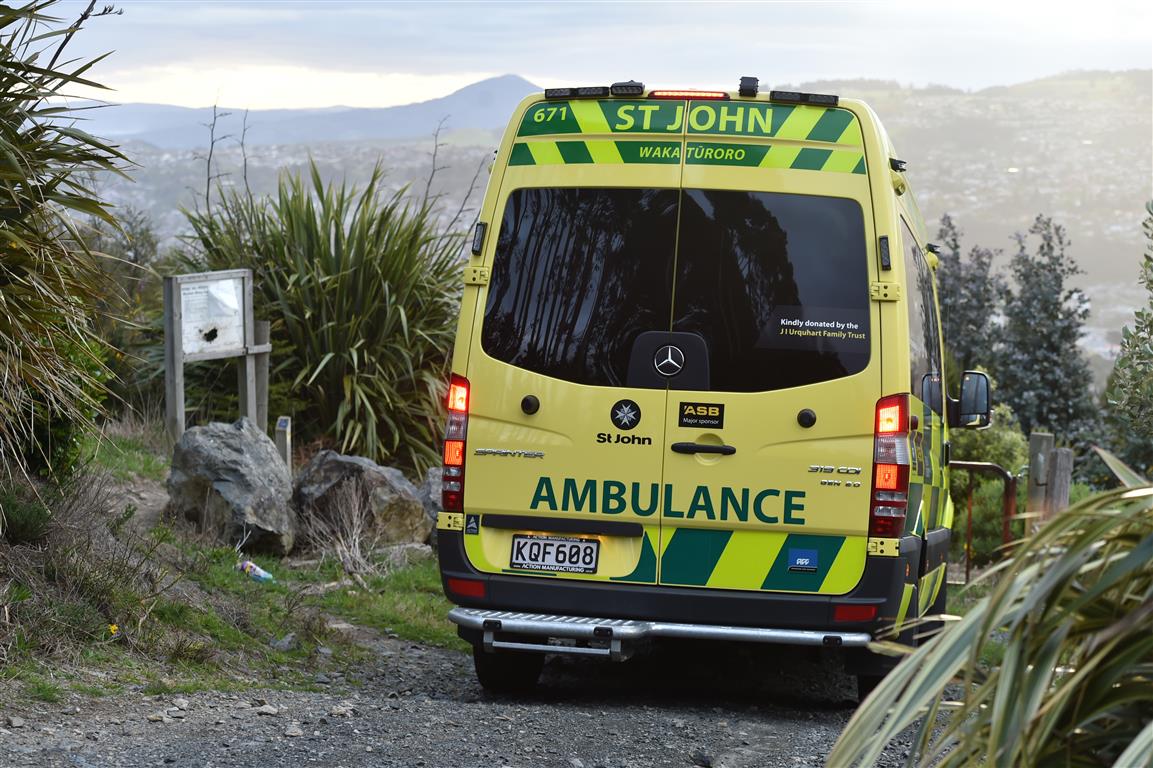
(455, 432)
(854, 612)
(466, 587)
(682, 94)
(890, 495)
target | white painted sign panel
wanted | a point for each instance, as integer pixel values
(212, 316)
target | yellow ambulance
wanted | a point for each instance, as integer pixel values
(697, 384)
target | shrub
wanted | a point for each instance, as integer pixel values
(25, 513)
(1071, 609)
(48, 279)
(362, 290)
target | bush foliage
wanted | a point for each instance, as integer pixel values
(1072, 609)
(362, 289)
(49, 281)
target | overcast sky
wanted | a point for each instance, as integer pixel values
(281, 53)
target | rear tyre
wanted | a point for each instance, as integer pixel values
(507, 672)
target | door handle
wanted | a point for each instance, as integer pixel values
(724, 450)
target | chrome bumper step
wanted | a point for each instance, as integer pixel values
(609, 635)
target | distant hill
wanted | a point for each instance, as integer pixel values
(484, 105)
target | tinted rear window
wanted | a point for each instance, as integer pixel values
(578, 274)
(775, 284)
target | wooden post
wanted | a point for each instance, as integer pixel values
(284, 440)
(1040, 446)
(262, 338)
(1059, 480)
(173, 362)
(246, 364)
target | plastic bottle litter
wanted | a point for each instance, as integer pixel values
(254, 571)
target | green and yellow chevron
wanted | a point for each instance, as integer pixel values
(764, 155)
(759, 560)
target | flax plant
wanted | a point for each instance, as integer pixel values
(1073, 607)
(362, 288)
(49, 356)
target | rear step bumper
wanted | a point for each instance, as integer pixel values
(611, 638)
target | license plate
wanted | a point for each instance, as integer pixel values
(562, 554)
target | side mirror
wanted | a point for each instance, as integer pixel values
(974, 409)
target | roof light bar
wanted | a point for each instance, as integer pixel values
(798, 97)
(584, 92)
(627, 88)
(682, 94)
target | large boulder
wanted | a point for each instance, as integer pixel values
(391, 503)
(228, 478)
(430, 498)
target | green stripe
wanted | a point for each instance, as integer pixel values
(656, 152)
(811, 159)
(646, 569)
(707, 153)
(860, 167)
(691, 555)
(781, 579)
(831, 125)
(520, 155)
(574, 152)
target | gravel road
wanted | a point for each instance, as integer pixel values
(417, 706)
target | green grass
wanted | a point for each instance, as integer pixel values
(42, 689)
(961, 599)
(408, 601)
(126, 458)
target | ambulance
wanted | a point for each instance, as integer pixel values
(697, 385)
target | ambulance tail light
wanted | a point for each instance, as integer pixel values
(466, 587)
(854, 612)
(693, 95)
(890, 492)
(455, 434)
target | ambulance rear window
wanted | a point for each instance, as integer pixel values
(777, 284)
(578, 274)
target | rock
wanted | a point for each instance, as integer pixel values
(286, 643)
(400, 555)
(391, 503)
(15, 722)
(702, 758)
(267, 709)
(159, 717)
(181, 704)
(293, 731)
(430, 498)
(228, 478)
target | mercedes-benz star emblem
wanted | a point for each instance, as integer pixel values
(625, 414)
(669, 360)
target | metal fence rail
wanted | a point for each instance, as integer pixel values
(1008, 502)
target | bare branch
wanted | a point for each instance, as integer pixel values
(436, 145)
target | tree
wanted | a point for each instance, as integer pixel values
(1130, 391)
(1041, 371)
(50, 357)
(968, 291)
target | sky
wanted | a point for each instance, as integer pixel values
(263, 54)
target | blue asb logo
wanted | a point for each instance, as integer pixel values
(803, 560)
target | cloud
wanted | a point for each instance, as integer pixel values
(273, 86)
(972, 44)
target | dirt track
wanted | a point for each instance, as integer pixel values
(419, 706)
